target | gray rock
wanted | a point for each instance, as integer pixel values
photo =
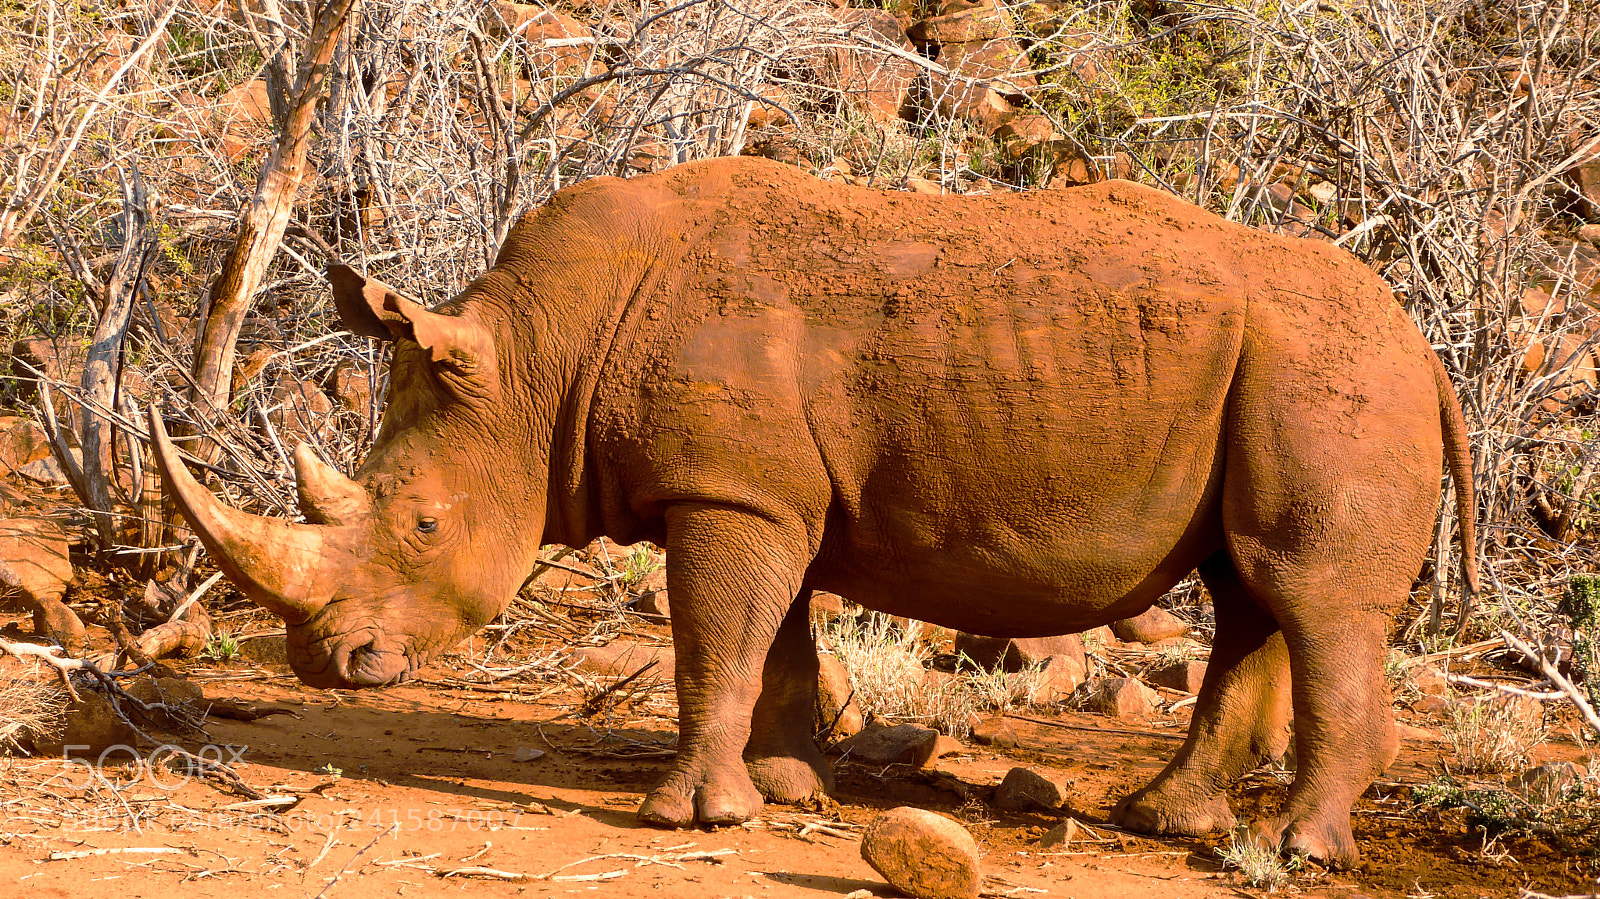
(46, 471)
(1026, 790)
(923, 854)
(907, 744)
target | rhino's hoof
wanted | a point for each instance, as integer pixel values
(1330, 841)
(1147, 811)
(678, 802)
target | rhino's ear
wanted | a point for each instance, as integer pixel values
(461, 348)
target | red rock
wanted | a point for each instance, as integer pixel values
(654, 604)
(1186, 676)
(923, 854)
(836, 707)
(1124, 698)
(34, 558)
(995, 731)
(1018, 653)
(899, 744)
(1151, 625)
(870, 79)
(1026, 790)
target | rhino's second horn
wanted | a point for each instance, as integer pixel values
(280, 566)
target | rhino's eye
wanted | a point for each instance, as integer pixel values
(427, 525)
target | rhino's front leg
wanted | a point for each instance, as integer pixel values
(782, 755)
(733, 577)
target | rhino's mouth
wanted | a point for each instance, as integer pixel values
(352, 660)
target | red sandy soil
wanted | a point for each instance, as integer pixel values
(430, 783)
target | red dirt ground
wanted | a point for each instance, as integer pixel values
(431, 783)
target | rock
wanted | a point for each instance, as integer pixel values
(870, 80)
(923, 854)
(265, 650)
(1100, 638)
(555, 44)
(1585, 176)
(1061, 835)
(1537, 304)
(46, 472)
(35, 559)
(1186, 676)
(826, 606)
(621, 658)
(242, 117)
(1552, 782)
(654, 603)
(300, 410)
(91, 727)
(836, 706)
(21, 441)
(1026, 790)
(1016, 654)
(1062, 675)
(59, 360)
(1415, 734)
(351, 388)
(997, 731)
(185, 701)
(1124, 698)
(1149, 626)
(1591, 233)
(1430, 681)
(899, 744)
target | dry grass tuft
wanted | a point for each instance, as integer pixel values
(32, 704)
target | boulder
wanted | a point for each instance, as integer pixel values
(300, 410)
(1123, 698)
(986, 65)
(1026, 790)
(351, 388)
(1149, 626)
(654, 604)
(836, 705)
(557, 44)
(35, 560)
(1185, 676)
(871, 80)
(1016, 654)
(90, 727)
(21, 441)
(899, 744)
(997, 731)
(242, 118)
(923, 854)
(1552, 782)
(1062, 675)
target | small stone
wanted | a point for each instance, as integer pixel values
(46, 471)
(943, 745)
(1151, 625)
(621, 658)
(836, 705)
(923, 854)
(1186, 676)
(995, 731)
(1591, 233)
(22, 441)
(527, 754)
(1431, 682)
(1124, 698)
(900, 744)
(1059, 836)
(1026, 790)
(654, 604)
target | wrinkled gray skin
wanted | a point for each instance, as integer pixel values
(1015, 416)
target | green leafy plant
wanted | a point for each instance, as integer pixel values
(222, 647)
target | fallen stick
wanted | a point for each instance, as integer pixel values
(128, 850)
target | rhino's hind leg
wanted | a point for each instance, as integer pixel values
(733, 577)
(1240, 720)
(782, 755)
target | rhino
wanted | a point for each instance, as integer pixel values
(1016, 415)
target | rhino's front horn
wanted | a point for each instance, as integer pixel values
(285, 568)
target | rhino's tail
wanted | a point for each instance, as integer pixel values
(1458, 456)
